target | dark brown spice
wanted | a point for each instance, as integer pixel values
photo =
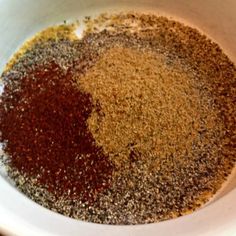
(43, 123)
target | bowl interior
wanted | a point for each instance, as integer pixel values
(20, 20)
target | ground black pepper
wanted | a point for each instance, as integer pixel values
(43, 123)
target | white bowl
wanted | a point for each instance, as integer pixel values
(20, 20)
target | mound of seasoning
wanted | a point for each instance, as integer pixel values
(131, 124)
(44, 123)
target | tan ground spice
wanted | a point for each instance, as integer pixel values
(146, 105)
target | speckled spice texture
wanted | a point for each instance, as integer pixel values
(166, 116)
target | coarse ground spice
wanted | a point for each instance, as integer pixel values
(55, 33)
(160, 114)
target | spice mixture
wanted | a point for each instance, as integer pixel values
(133, 123)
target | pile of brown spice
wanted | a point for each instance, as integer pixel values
(134, 123)
(44, 123)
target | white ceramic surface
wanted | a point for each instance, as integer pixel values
(19, 20)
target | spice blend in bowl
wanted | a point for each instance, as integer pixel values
(133, 123)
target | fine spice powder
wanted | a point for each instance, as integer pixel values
(48, 135)
(133, 123)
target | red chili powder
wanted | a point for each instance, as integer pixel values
(43, 123)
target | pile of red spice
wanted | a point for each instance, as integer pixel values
(43, 123)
